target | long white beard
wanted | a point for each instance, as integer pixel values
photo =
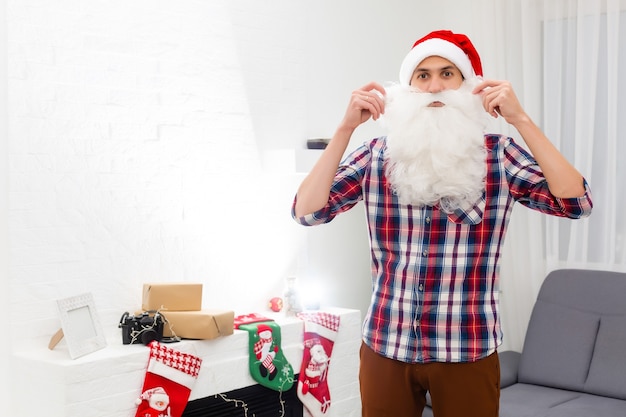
(435, 155)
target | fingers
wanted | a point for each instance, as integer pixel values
(374, 104)
(484, 85)
(491, 92)
(499, 99)
(371, 98)
(374, 87)
(491, 101)
(365, 103)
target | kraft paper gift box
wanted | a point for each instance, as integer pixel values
(172, 296)
(204, 324)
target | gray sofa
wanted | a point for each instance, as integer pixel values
(573, 362)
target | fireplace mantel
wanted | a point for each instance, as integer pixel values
(106, 383)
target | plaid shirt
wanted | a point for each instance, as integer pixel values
(435, 275)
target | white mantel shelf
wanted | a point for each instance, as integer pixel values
(106, 383)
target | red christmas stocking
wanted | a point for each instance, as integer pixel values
(320, 331)
(169, 379)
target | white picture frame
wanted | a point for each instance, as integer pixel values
(81, 325)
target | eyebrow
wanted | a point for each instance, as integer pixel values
(446, 68)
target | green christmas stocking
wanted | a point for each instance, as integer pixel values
(268, 365)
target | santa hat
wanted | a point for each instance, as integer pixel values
(455, 47)
(263, 328)
(153, 394)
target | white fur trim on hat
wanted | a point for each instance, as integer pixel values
(435, 47)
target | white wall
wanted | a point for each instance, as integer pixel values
(5, 348)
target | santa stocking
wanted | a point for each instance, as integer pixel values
(168, 382)
(320, 330)
(268, 365)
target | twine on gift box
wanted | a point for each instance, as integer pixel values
(173, 337)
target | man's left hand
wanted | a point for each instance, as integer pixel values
(500, 99)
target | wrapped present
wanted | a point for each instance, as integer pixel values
(203, 324)
(172, 296)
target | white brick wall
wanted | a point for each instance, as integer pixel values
(6, 395)
(134, 156)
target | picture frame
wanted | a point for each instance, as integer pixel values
(80, 325)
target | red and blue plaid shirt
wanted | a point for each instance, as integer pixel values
(435, 275)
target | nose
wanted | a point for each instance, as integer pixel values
(435, 85)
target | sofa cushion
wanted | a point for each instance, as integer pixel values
(522, 400)
(587, 405)
(558, 346)
(607, 374)
(600, 292)
(509, 366)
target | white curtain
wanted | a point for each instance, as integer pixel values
(585, 112)
(567, 62)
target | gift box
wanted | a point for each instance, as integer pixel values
(203, 324)
(172, 296)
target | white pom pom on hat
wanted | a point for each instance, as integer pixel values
(146, 395)
(455, 47)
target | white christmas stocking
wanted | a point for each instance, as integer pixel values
(320, 331)
(168, 382)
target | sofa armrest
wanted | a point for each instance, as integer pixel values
(509, 363)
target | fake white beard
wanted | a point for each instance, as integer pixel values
(435, 155)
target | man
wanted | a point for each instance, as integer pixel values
(438, 194)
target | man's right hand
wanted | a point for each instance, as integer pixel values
(365, 103)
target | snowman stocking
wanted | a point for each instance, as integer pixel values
(320, 331)
(268, 365)
(168, 382)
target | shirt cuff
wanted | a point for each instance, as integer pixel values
(577, 207)
(320, 216)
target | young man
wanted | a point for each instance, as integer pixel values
(438, 193)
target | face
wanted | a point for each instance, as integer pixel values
(435, 74)
(318, 354)
(160, 402)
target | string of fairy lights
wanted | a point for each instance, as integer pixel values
(240, 403)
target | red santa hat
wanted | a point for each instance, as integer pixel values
(263, 328)
(455, 47)
(155, 394)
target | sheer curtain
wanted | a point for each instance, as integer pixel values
(564, 59)
(585, 112)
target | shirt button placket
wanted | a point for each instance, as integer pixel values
(426, 241)
(427, 224)
(423, 268)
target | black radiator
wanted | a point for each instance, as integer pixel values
(257, 400)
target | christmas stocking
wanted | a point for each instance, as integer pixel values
(169, 379)
(320, 330)
(268, 365)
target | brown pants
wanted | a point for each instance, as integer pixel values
(392, 388)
